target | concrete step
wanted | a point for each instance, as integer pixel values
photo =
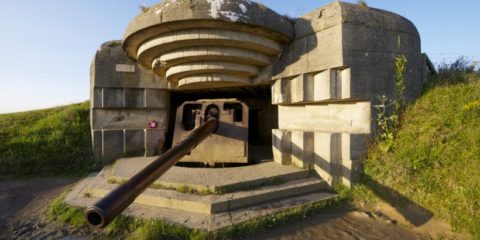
(209, 180)
(211, 204)
(195, 220)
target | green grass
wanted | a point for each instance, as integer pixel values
(61, 212)
(181, 188)
(50, 142)
(435, 161)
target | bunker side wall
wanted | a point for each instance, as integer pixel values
(327, 82)
(372, 40)
(125, 97)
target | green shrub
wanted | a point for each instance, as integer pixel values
(457, 72)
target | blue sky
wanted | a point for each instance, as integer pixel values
(47, 45)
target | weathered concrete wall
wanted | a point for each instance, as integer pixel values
(372, 39)
(317, 45)
(328, 79)
(125, 97)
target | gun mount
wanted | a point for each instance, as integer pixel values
(230, 142)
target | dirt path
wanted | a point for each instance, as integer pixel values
(385, 223)
(22, 205)
(347, 225)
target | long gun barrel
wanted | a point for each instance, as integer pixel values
(109, 207)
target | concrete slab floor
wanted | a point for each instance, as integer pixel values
(212, 179)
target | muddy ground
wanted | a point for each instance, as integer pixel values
(23, 202)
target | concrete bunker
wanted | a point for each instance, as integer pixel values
(295, 95)
(309, 83)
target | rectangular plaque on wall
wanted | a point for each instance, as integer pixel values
(125, 68)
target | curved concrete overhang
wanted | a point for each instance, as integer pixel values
(218, 42)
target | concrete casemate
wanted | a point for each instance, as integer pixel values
(311, 81)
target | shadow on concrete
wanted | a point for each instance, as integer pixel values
(305, 40)
(411, 211)
(233, 131)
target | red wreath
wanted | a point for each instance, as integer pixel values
(153, 124)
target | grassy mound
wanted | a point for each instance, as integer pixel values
(51, 142)
(435, 161)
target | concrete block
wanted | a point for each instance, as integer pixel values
(313, 52)
(327, 156)
(346, 118)
(322, 86)
(155, 98)
(97, 98)
(112, 145)
(277, 92)
(325, 49)
(281, 91)
(135, 141)
(308, 87)
(154, 141)
(113, 97)
(281, 146)
(354, 149)
(97, 144)
(332, 84)
(296, 89)
(302, 88)
(338, 157)
(345, 79)
(335, 85)
(135, 98)
(302, 145)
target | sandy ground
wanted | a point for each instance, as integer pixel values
(22, 205)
